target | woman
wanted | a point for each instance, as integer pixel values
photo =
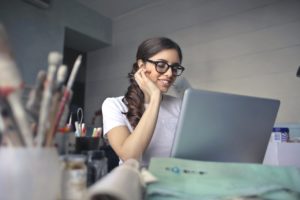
(142, 123)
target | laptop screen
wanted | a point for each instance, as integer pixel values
(215, 126)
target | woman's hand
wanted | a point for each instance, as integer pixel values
(147, 86)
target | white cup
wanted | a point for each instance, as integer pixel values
(30, 173)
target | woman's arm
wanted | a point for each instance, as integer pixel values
(132, 145)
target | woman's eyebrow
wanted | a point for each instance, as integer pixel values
(163, 60)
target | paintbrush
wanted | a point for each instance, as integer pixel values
(10, 136)
(66, 95)
(35, 97)
(10, 89)
(54, 60)
(57, 94)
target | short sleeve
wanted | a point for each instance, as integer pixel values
(112, 111)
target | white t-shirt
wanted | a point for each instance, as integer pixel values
(162, 139)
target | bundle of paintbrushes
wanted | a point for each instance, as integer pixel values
(46, 104)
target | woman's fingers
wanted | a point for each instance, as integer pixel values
(143, 74)
(146, 85)
(142, 80)
(138, 77)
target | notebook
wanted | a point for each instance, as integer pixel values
(216, 126)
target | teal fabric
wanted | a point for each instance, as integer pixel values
(187, 179)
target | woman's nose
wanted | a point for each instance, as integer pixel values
(169, 72)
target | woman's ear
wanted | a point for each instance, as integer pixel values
(140, 63)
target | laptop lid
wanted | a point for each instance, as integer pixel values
(215, 126)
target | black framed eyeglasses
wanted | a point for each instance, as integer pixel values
(162, 66)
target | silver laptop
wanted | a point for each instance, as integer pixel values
(215, 126)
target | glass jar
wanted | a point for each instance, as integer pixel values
(74, 177)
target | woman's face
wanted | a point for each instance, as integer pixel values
(162, 80)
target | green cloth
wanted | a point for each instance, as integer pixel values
(187, 179)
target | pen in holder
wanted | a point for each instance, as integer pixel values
(86, 144)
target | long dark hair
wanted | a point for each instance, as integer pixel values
(134, 97)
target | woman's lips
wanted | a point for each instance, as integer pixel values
(164, 82)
